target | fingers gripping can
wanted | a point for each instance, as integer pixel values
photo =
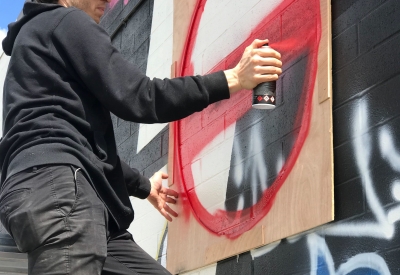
(264, 94)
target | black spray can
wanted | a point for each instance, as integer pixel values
(264, 94)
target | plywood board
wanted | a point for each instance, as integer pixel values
(300, 195)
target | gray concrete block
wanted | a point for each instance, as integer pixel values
(379, 25)
(155, 166)
(148, 155)
(353, 14)
(122, 132)
(367, 70)
(345, 47)
(127, 149)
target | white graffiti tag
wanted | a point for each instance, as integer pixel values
(384, 224)
(383, 227)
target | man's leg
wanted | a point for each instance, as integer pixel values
(125, 257)
(54, 215)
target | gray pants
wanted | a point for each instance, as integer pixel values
(54, 215)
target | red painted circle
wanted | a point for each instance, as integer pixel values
(296, 28)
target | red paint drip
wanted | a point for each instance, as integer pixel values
(294, 29)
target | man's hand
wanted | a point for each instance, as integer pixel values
(160, 196)
(257, 65)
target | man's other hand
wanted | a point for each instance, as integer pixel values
(160, 196)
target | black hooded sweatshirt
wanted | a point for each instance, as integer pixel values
(63, 80)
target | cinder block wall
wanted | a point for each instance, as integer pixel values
(364, 237)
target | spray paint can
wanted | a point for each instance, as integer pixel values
(264, 94)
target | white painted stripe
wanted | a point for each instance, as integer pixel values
(235, 20)
(211, 170)
(147, 132)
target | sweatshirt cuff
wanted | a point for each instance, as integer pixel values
(137, 185)
(217, 86)
(143, 189)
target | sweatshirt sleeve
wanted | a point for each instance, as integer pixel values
(120, 86)
(137, 185)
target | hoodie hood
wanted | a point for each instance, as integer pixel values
(30, 10)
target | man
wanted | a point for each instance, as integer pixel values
(64, 191)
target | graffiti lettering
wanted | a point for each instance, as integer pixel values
(383, 227)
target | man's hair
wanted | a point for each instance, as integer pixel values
(48, 1)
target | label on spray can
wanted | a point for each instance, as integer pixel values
(264, 94)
